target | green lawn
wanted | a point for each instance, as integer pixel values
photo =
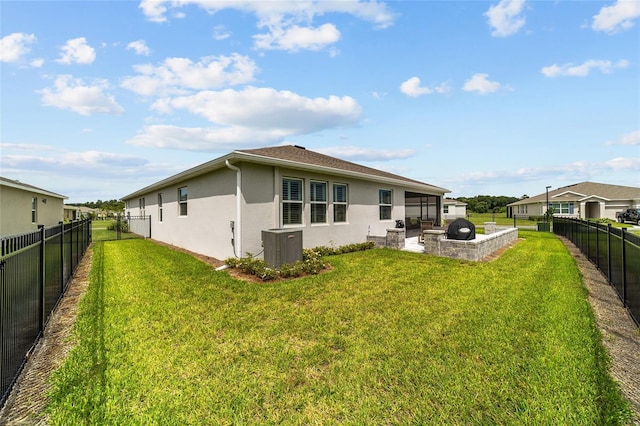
(500, 219)
(385, 337)
(100, 231)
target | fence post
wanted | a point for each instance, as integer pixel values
(598, 245)
(61, 256)
(609, 252)
(149, 226)
(118, 225)
(624, 267)
(41, 278)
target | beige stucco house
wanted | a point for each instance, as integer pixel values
(221, 207)
(23, 207)
(585, 200)
(453, 209)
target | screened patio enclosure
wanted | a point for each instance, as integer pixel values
(422, 207)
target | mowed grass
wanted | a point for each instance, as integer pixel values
(100, 231)
(385, 337)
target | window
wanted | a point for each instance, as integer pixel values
(446, 209)
(182, 201)
(318, 198)
(339, 202)
(34, 209)
(562, 208)
(291, 201)
(160, 207)
(141, 206)
(385, 204)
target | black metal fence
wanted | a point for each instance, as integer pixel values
(614, 251)
(121, 228)
(35, 270)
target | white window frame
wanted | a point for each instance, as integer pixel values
(160, 207)
(337, 203)
(316, 201)
(34, 210)
(183, 202)
(285, 200)
(382, 205)
(141, 206)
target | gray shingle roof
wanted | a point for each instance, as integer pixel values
(582, 190)
(301, 155)
(292, 156)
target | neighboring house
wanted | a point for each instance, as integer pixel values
(453, 209)
(221, 207)
(23, 207)
(585, 200)
(71, 213)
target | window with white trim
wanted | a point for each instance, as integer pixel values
(318, 201)
(562, 208)
(183, 195)
(159, 206)
(340, 202)
(385, 204)
(141, 206)
(292, 201)
(34, 209)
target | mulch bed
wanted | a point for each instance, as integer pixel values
(26, 404)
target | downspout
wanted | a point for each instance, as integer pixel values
(237, 238)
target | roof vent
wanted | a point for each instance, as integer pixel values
(299, 147)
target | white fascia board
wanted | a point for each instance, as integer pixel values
(32, 189)
(577, 194)
(594, 196)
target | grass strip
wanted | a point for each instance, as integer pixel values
(385, 337)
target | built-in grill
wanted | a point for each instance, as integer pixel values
(461, 229)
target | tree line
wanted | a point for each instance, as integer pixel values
(489, 203)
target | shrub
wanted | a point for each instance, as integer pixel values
(311, 262)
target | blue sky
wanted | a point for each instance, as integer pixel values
(101, 98)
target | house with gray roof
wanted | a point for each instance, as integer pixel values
(221, 207)
(23, 207)
(585, 200)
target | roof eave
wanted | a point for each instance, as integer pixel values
(237, 156)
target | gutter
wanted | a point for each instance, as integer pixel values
(236, 228)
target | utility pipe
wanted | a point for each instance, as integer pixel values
(237, 238)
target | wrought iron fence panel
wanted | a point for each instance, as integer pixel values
(615, 251)
(35, 269)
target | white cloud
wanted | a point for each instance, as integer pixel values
(576, 171)
(140, 47)
(355, 153)
(289, 24)
(481, 84)
(505, 17)
(94, 163)
(247, 117)
(411, 87)
(632, 138)
(584, 69)
(266, 108)
(176, 75)
(77, 51)
(295, 38)
(617, 17)
(208, 139)
(220, 32)
(37, 63)
(72, 93)
(14, 46)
